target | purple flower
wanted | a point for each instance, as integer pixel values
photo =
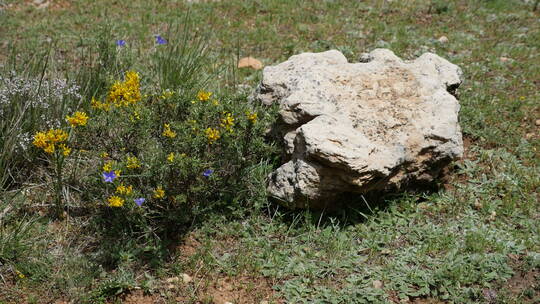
(120, 42)
(109, 176)
(208, 172)
(160, 40)
(139, 201)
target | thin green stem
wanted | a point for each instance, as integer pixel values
(58, 186)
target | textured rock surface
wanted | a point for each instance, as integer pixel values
(357, 127)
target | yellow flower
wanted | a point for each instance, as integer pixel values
(96, 104)
(56, 135)
(215, 102)
(47, 141)
(124, 190)
(78, 119)
(49, 149)
(252, 117)
(170, 157)
(107, 167)
(227, 122)
(167, 132)
(40, 140)
(65, 149)
(20, 274)
(212, 135)
(522, 98)
(133, 162)
(116, 201)
(117, 172)
(203, 96)
(159, 192)
(125, 93)
(104, 155)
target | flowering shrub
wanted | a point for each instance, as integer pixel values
(146, 153)
(164, 157)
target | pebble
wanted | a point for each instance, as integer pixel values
(537, 122)
(186, 278)
(250, 62)
(443, 39)
(478, 205)
(172, 280)
(377, 284)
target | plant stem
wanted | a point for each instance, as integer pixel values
(58, 186)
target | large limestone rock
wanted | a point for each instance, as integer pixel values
(377, 125)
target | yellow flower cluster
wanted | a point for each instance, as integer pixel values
(96, 104)
(107, 167)
(204, 96)
(121, 189)
(121, 93)
(133, 162)
(48, 141)
(252, 117)
(167, 132)
(116, 201)
(77, 119)
(20, 274)
(227, 122)
(212, 135)
(127, 92)
(65, 149)
(159, 193)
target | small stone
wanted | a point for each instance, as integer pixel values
(186, 278)
(172, 280)
(377, 284)
(537, 122)
(250, 62)
(423, 206)
(41, 3)
(443, 39)
(478, 205)
(492, 216)
(504, 59)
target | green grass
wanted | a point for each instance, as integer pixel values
(480, 233)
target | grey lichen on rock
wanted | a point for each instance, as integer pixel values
(376, 125)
